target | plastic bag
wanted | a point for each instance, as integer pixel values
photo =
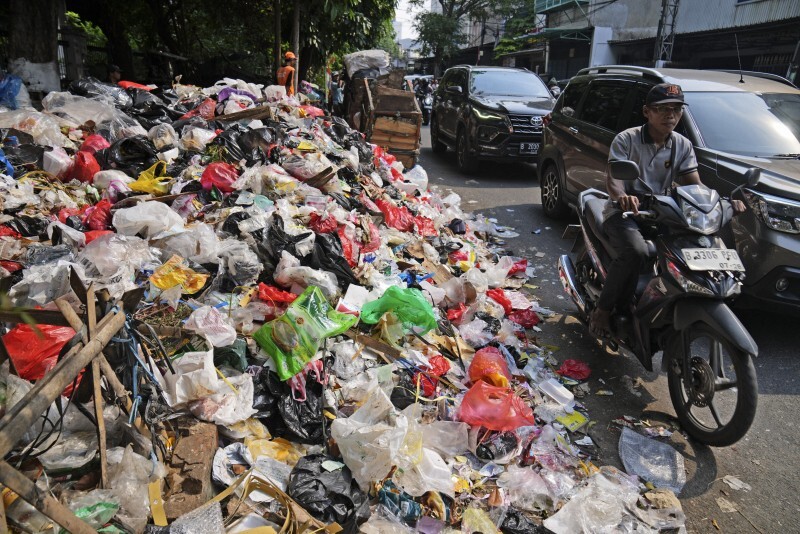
(448, 438)
(366, 59)
(495, 408)
(575, 369)
(330, 496)
(298, 421)
(652, 460)
(175, 272)
(526, 490)
(151, 219)
(293, 339)
(45, 129)
(105, 179)
(209, 322)
(219, 175)
(98, 217)
(410, 306)
(322, 225)
(33, 356)
(273, 294)
(524, 318)
(307, 166)
(57, 162)
(195, 139)
(396, 217)
(199, 243)
(499, 296)
(9, 87)
(162, 136)
(83, 168)
(490, 365)
(370, 440)
(94, 88)
(153, 180)
(132, 154)
(438, 366)
(93, 143)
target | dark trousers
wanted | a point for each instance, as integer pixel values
(623, 273)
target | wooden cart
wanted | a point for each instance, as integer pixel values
(392, 120)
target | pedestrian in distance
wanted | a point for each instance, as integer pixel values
(664, 157)
(114, 74)
(286, 73)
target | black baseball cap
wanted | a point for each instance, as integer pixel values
(664, 93)
(114, 68)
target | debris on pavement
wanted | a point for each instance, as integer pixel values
(311, 338)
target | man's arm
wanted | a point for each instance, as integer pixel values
(690, 178)
(620, 150)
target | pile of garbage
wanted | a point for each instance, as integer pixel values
(315, 340)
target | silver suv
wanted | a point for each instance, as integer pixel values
(734, 121)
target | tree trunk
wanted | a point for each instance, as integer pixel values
(33, 42)
(296, 41)
(107, 16)
(276, 47)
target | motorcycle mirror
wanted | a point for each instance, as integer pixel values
(625, 170)
(454, 90)
(752, 177)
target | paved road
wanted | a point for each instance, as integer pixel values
(766, 459)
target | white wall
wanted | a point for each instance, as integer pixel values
(601, 52)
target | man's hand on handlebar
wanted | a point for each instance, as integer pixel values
(629, 203)
(738, 207)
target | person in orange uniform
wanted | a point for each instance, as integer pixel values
(285, 74)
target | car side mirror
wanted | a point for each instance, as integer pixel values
(455, 90)
(625, 170)
(752, 177)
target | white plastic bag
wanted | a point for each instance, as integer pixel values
(105, 179)
(366, 59)
(274, 93)
(525, 488)
(213, 325)
(196, 139)
(150, 219)
(162, 135)
(57, 162)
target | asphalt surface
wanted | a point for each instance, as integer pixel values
(766, 459)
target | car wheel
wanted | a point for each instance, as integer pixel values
(553, 203)
(467, 162)
(436, 145)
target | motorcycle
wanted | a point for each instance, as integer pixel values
(425, 101)
(680, 304)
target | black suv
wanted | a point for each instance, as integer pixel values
(734, 125)
(489, 113)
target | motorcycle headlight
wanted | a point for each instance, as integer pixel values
(685, 283)
(704, 223)
(777, 213)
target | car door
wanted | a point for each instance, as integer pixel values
(452, 102)
(440, 99)
(561, 131)
(600, 119)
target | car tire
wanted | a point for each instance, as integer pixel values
(436, 145)
(552, 189)
(467, 162)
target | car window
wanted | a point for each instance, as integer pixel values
(748, 124)
(570, 99)
(635, 117)
(507, 83)
(604, 104)
(460, 79)
(447, 80)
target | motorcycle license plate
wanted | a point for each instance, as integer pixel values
(529, 148)
(712, 259)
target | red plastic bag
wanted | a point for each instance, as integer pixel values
(10, 266)
(494, 408)
(84, 167)
(458, 256)
(206, 110)
(5, 231)
(575, 369)
(371, 242)
(396, 217)
(312, 111)
(438, 366)
(91, 235)
(350, 249)
(489, 365)
(499, 296)
(93, 143)
(128, 85)
(456, 314)
(33, 356)
(98, 217)
(322, 225)
(66, 213)
(219, 175)
(519, 267)
(367, 202)
(524, 318)
(424, 227)
(273, 294)
(380, 155)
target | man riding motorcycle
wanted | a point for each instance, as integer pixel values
(663, 157)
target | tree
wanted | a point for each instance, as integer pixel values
(33, 42)
(522, 22)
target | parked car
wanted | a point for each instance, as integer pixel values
(736, 122)
(489, 113)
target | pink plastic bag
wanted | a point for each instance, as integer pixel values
(494, 408)
(93, 143)
(219, 175)
(98, 217)
(490, 365)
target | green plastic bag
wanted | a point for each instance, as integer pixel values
(294, 338)
(410, 306)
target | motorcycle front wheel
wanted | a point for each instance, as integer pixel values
(719, 405)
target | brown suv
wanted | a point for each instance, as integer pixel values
(734, 125)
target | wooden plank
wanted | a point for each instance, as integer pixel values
(97, 392)
(261, 112)
(41, 500)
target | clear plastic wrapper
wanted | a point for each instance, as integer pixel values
(652, 460)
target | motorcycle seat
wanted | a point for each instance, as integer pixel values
(594, 216)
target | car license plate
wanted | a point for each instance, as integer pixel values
(712, 259)
(529, 148)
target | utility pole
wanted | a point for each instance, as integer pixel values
(276, 48)
(296, 42)
(665, 39)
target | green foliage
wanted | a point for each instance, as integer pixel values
(521, 22)
(439, 35)
(94, 35)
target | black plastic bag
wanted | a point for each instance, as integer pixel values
(330, 496)
(403, 394)
(228, 143)
(328, 256)
(231, 224)
(25, 157)
(93, 88)
(284, 416)
(516, 522)
(457, 226)
(28, 226)
(132, 155)
(277, 240)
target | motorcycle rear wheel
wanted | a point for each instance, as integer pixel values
(720, 405)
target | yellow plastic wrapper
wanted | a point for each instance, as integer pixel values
(307, 146)
(278, 449)
(175, 272)
(153, 180)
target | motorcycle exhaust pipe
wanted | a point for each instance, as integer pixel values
(566, 273)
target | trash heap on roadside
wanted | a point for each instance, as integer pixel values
(318, 341)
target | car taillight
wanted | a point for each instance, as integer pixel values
(547, 119)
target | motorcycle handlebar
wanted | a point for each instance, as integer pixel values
(626, 214)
